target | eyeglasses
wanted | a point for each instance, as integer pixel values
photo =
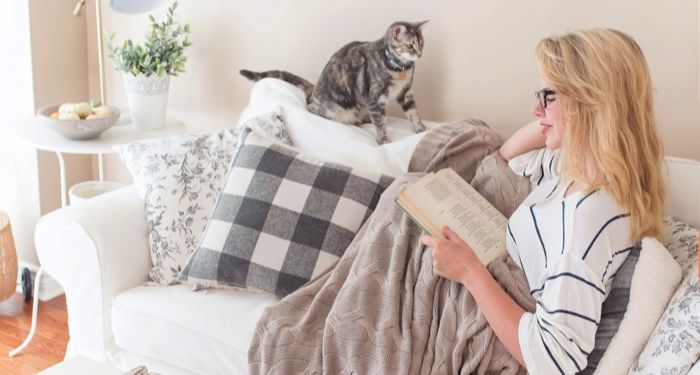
(545, 96)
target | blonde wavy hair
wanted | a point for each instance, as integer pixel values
(603, 85)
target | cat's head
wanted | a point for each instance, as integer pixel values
(405, 40)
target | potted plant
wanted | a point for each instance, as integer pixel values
(147, 68)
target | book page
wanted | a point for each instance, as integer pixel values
(444, 198)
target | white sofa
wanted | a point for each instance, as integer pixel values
(99, 252)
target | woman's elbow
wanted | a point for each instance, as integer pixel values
(506, 152)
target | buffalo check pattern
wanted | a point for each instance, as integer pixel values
(282, 218)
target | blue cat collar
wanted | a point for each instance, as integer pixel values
(395, 63)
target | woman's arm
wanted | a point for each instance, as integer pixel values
(527, 138)
(455, 260)
(499, 309)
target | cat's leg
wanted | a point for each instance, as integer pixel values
(408, 105)
(377, 112)
(316, 107)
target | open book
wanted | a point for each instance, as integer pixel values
(444, 198)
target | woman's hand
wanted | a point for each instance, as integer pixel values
(528, 137)
(453, 258)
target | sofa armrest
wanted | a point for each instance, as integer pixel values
(95, 250)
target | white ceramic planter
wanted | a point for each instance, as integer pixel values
(148, 99)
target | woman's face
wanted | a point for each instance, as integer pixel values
(548, 110)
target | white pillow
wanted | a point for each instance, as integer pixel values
(355, 146)
(675, 343)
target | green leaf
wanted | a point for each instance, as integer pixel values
(162, 52)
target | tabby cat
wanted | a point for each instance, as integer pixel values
(360, 79)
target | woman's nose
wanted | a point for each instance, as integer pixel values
(538, 111)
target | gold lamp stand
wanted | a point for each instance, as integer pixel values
(100, 50)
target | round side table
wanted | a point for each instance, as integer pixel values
(33, 132)
(8, 259)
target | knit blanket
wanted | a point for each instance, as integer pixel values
(382, 309)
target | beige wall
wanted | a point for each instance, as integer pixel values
(60, 71)
(478, 59)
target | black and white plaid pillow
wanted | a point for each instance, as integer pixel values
(282, 218)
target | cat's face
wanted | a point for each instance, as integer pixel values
(406, 40)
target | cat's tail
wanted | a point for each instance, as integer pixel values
(295, 80)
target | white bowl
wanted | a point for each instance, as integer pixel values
(77, 129)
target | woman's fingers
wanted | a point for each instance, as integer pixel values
(451, 235)
(428, 240)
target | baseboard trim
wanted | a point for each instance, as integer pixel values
(49, 288)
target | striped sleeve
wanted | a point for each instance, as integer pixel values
(538, 165)
(559, 335)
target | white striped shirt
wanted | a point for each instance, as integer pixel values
(570, 248)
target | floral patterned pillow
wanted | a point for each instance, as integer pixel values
(674, 345)
(179, 179)
(681, 241)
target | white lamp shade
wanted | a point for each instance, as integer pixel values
(134, 6)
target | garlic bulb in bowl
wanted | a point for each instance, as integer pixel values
(67, 121)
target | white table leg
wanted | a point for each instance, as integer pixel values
(37, 278)
(62, 171)
(101, 167)
(35, 309)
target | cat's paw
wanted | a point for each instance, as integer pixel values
(382, 139)
(419, 127)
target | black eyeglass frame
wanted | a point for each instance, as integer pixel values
(543, 95)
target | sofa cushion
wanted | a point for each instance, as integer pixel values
(179, 179)
(674, 346)
(681, 241)
(355, 146)
(170, 323)
(282, 218)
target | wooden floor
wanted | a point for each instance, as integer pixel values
(49, 344)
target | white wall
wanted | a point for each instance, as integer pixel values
(478, 59)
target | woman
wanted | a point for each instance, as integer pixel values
(595, 112)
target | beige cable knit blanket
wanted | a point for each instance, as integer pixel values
(382, 309)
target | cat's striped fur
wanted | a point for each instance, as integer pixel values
(359, 79)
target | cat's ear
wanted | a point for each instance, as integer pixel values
(397, 30)
(420, 24)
